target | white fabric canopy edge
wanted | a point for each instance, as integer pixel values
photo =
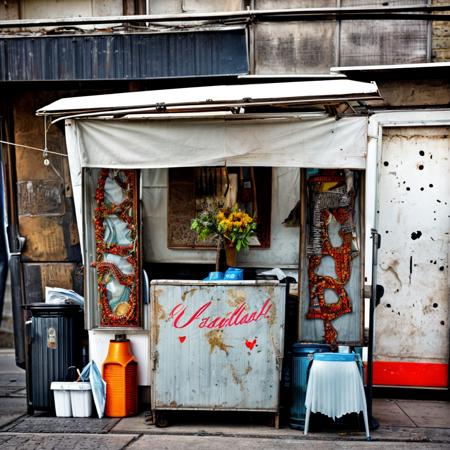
(209, 95)
(146, 144)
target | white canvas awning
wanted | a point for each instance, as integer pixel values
(214, 97)
(284, 142)
(138, 139)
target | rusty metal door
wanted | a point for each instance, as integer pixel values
(216, 346)
(412, 330)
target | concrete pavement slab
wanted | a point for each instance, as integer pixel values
(8, 391)
(385, 433)
(58, 441)
(7, 419)
(425, 413)
(163, 442)
(12, 379)
(388, 413)
(8, 361)
(138, 424)
(13, 405)
(409, 434)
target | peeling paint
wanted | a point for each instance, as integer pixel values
(160, 314)
(236, 298)
(186, 293)
(273, 314)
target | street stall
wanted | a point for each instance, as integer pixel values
(146, 165)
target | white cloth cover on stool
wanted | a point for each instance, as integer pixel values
(335, 388)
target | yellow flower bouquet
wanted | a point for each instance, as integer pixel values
(235, 226)
(231, 225)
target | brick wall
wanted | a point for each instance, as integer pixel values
(441, 37)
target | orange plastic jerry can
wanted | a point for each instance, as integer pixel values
(120, 374)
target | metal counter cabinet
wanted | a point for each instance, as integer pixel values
(216, 346)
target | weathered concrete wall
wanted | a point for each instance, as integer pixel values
(300, 47)
(287, 48)
(414, 92)
(38, 9)
(9, 10)
(189, 6)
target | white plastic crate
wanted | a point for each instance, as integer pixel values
(72, 398)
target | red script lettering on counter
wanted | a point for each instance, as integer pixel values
(232, 319)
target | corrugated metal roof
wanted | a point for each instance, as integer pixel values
(123, 56)
(217, 96)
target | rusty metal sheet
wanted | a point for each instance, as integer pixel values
(45, 206)
(216, 345)
(41, 198)
(45, 238)
(38, 275)
(414, 191)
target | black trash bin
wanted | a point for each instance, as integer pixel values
(54, 344)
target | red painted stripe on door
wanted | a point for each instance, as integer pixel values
(410, 374)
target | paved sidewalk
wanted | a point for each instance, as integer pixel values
(404, 424)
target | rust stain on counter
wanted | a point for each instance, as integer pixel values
(236, 378)
(236, 298)
(215, 339)
(159, 313)
(189, 292)
(272, 319)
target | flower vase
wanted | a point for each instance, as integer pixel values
(230, 255)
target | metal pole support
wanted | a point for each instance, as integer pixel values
(376, 241)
